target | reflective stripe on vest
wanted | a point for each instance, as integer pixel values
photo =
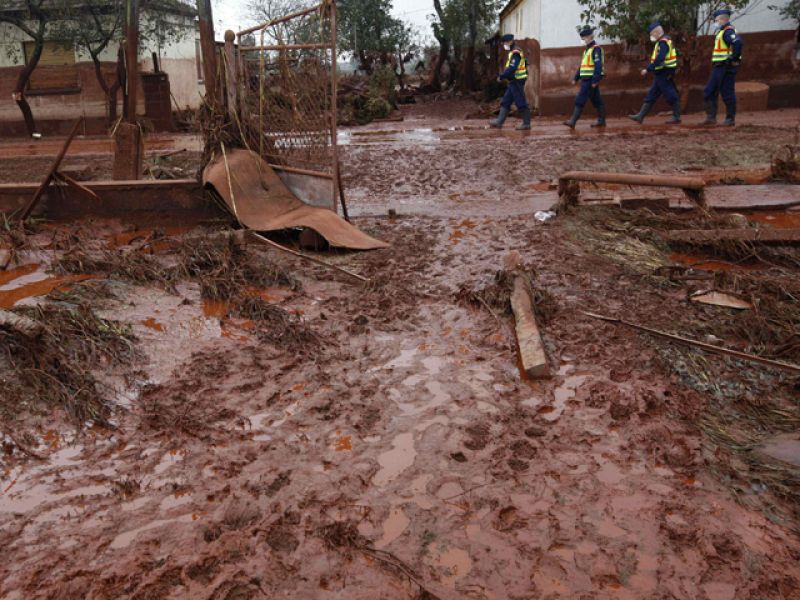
(522, 67)
(587, 64)
(671, 60)
(722, 50)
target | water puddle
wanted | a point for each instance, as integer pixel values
(123, 540)
(785, 448)
(396, 460)
(419, 489)
(393, 527)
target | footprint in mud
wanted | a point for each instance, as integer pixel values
(396, 460)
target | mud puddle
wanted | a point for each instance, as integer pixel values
(31, 281)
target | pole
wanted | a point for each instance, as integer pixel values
(337, 181)
(208, 50)
(132, 55)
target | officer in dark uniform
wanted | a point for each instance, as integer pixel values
(516, 73)
(663, 65)
(725, 58)
(590, 72)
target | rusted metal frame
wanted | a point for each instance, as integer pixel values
(26, 212)
(276, 47)
(299, 171)
(276, 21)
(208, 50)
(337, 177)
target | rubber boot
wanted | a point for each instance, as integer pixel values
(711, 112)
(501, 118)
(730, 116)
(601, 117)
(676, 115)
(576, 114)
(526, 119)
(639, 117)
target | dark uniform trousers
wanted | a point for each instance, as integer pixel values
(515, 93)
(587, 93)
(663, 84)
(722, 81)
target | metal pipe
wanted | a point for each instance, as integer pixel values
(300, 171)
(286, 47)
(289, 17)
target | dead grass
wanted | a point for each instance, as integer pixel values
(55, 368)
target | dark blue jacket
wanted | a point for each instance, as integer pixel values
(597, 55)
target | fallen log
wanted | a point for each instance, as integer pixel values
(529, 340)
(569, 190)
(756, 236)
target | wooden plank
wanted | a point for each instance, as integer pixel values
(26, 212)
(531, 347)
(755, 236)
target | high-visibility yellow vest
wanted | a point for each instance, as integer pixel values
(522, 67)
(671, 60)
(722, 50)
(587, 64)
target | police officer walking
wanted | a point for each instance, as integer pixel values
(590, 72)
(663, 65)
(516, 73)
(726, 58)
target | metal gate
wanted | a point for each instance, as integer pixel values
(283, 82)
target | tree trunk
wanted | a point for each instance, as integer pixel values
(435, 81)
(22, 83)
(109, 91)
(468, 70)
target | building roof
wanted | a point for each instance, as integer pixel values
(509, 7)
(181, 7)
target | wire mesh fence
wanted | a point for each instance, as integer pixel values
(285, 82)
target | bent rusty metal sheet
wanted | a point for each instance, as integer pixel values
(260, 200)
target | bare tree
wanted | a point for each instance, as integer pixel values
(32, 20)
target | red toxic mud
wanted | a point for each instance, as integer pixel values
(29, 282)
(709, 264)
(777, 219)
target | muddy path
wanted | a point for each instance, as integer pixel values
(385, 446)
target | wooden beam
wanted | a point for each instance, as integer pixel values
(208, 50)
(529, 340)
(26, 212)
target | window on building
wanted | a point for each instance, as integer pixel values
(56, 71)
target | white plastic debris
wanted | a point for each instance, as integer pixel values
(543, 215)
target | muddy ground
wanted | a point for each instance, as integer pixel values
(301, 435)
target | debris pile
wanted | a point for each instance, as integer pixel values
(362, 99)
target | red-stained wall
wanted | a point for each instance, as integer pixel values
(769, 57)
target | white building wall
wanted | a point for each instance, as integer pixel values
(554, 22)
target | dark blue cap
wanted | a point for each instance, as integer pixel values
(653, 26)
(723, 11)
(509, 37)
(586, 32)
